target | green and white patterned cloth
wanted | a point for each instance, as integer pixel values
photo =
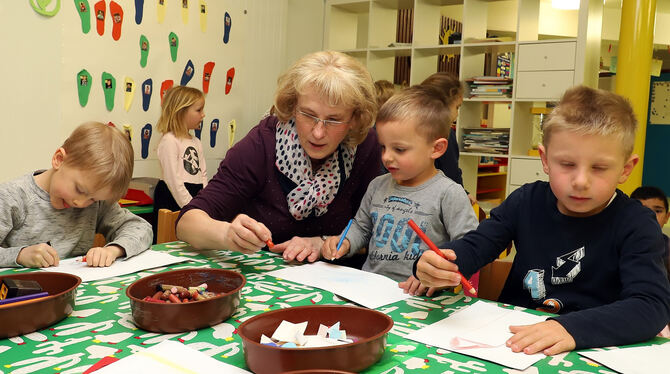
(102, 325)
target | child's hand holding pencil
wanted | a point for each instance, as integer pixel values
(437, 265)
(434, 270)
(329, 250)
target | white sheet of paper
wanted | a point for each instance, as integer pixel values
(368, 289)
(633, 360)
(148, 259)
(169, 357)
(484, 324)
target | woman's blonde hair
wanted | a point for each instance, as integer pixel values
(104, 154)
(339, 78)
(589, 111)
(175, 102)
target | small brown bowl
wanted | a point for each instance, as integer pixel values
(367, 327)
(44, 312)
(171, 318)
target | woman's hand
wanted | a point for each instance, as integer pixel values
(300, 249)
(246, 235)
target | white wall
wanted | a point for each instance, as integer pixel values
(41, 57)
(612, 23)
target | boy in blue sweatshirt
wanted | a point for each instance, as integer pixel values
(585, 250)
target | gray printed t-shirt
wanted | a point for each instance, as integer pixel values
(439, 207)
(27, 218)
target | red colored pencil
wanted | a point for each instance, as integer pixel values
(432, 246)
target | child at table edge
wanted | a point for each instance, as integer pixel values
(584, 249)
(51, 214)
(412, 132)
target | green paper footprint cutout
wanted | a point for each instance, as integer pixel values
(84, 82)
(84, 11)
(144, 50)
(174, 46)
(41, 7)
(108, 88)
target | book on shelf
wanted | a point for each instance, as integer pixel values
(490, 86)
(486, 140)
(504, 64)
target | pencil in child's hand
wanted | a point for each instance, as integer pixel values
(432, 246)
(344, 235)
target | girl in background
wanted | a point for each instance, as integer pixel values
(183, 169)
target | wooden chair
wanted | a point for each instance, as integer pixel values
(165, 231)
(99, 240)
(492, 278)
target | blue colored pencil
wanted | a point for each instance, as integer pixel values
(344, 235)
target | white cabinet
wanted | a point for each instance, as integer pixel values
(545, 70)
(526, 170)
(550, 49)
(547, 56)
(543, 85)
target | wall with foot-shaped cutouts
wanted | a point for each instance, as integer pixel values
(111, 61)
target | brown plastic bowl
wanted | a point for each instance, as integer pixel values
(367, 327)
(38, 314)
(171, 318)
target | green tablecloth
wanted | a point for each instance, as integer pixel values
(102, 325)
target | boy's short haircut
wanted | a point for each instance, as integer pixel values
(451, 87)
(425, 106)
(176, 100)
(385, 90)
(590, 111)
(650, 192)
(104, 153)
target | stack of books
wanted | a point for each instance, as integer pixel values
(490, 87)
(482, 140)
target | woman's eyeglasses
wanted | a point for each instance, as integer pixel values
(328, 123)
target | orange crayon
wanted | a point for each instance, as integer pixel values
(270, 243)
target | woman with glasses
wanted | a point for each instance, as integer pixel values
(301, 173)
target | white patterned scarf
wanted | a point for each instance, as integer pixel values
(314, 191)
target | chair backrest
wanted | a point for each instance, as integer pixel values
(492, 278)
(165, 231)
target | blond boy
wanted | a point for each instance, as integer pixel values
(584, 249)
(52, 214)
(411, 131)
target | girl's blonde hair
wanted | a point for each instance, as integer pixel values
(176, 100)
(104, 154)
(340, 79)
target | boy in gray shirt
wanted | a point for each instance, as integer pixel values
(52, 214)
(412, 132)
